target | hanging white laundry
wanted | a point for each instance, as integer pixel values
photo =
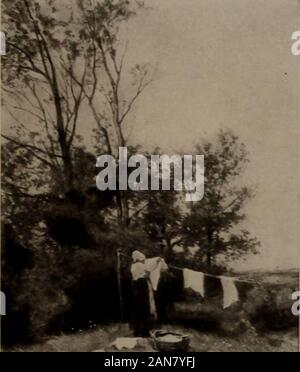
(194, 280)
(230, 292)
(155, 266)
(152, 304)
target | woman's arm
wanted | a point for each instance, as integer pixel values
(152, 263)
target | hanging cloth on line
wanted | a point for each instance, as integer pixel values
(230, 292)
(155, 266)
(194, 280)
(152, 305)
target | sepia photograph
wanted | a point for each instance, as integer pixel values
(150, 178)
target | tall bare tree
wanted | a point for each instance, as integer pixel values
(108, 83)
(40, 95)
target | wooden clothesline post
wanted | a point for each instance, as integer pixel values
(120, 285)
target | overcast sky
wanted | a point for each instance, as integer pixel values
(227, 64)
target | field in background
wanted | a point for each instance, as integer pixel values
(288, 278)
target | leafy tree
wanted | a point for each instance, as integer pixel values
(53, 70)
(162, 219)
(212, 225)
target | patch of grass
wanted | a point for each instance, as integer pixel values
(86, 341)
(102, 337)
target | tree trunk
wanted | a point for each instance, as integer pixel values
(125, 211)
(168, 250)
(208, 260)
(209, 248)
(68, 170)
(119, 274)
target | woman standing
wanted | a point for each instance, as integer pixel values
(144, 310)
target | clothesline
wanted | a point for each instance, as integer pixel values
(209, 275)
(220, 276)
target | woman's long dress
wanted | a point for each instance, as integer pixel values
(142, 319)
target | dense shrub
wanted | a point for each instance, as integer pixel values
(261, 308)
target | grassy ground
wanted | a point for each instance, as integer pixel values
(101, 338)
